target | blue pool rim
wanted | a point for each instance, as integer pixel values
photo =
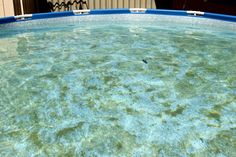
(37, 16)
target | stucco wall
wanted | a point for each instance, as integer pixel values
(6, 8)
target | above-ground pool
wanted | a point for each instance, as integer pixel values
(118, 85)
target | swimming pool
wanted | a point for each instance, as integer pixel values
(126, 84)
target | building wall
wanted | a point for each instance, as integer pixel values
(28, 5)
(6, 8)
(37, 6)
(214, 6)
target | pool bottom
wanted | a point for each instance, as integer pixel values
(132, 90)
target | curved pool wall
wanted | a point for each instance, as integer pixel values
(121, 11)
(165, 88)
(42, 20)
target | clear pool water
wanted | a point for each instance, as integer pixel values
(118, 85)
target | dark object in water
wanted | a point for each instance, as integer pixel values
(144, 61)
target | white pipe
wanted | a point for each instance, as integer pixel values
(22, 7)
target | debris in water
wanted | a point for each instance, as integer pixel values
(145, 61)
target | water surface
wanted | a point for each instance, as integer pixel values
(118, 85)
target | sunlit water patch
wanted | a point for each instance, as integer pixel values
(95, 86)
